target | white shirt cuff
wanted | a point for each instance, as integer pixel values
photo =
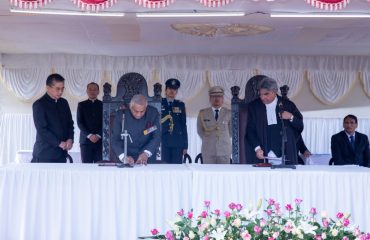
(88, 136)
(257, 148)
(98, 135)
(121, 156)
(148, 153)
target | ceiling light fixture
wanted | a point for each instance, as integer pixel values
(319, 15)
(188, 14)
(68, 13)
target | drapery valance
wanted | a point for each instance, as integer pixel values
(330, 77)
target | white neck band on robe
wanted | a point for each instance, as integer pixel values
(271, 112)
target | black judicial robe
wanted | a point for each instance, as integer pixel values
(258, 133)
(54, 124)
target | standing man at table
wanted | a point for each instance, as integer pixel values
(265, 116)
(174, 130)
(214, 128)
(350, 146)
(142, 124)
(90, 122)
(54, 125)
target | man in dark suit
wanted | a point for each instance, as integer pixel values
(265, 116)
(90, 122)
(142, 124)
(54, 125)
(350, 146)
(174, 130)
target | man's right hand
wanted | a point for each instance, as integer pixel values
(63, 145)
(259, 154)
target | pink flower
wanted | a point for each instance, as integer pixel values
(275, 235)
(318, 237)
(288, 207)
(154, 231)
(277, 206)
(271, 201)
(207, 203)
(298, 201)
(345, 238)
(356, 232)
(270, 238)
(204, 214)
(227, 214)
(257, 229)
(245, 235)
(206, 237)
(263, 222)
(180, 212)
(232, 206)
(269, 212)
(190, 215)
(169, 235)
(217, 212)
(340, 215)
(288, 228)
(186, 238)
(239, 207)
(313, 211)
(325, 223)
(346, 222)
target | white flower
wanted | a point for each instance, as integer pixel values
(324, 214)
(308, 228)
(219, 234)
(191, 235)
(213, 222)
(323, 235)
(251, 214)
(334, 232)
(338, 223)
(237, 222)
(265, 232)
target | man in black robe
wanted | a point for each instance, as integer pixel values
(90, 122)
(265, 116)
(142, 123)
(54, 125)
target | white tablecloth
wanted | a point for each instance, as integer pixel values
(78, 202)
(330, 188)
(84, 201)
(25, 156)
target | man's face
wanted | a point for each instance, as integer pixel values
(217, 101)
(55, 91)
(349, 125)
(92, 91)
(267, 96)
(171, 93)
(138, 111)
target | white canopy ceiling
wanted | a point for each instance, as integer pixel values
(131, 36)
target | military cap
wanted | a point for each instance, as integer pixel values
(216, 91)
(173, 83)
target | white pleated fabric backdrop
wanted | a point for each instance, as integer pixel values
(18, 133)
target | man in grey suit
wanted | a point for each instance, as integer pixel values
(142, 123)
(214, 128)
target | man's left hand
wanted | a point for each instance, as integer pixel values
(286, 115)
(142, 159)
(69, 144)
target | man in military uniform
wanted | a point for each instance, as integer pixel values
(214, 128)
(174, 130)
(142, 124)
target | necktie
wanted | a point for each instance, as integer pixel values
(216, 114)
(352, 141)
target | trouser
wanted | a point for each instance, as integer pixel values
(91, 153)
(171, 155)
(211, 159)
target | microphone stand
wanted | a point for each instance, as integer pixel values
(124, 135)
(284, 139)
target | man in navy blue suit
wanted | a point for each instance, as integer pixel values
(350, 146)
(174, 130)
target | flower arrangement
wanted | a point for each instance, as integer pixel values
(270, 224)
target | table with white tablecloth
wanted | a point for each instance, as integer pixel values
(329, 188)
(85, 201)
